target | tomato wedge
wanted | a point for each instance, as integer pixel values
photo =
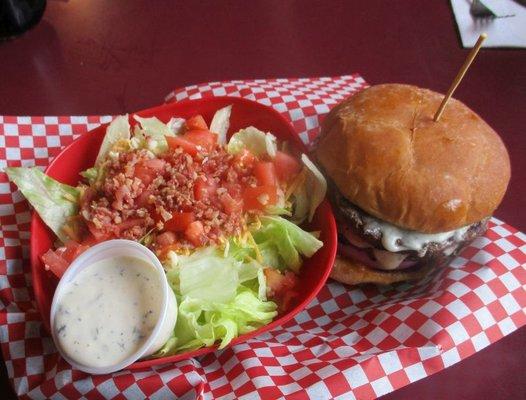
(196, 122)
(287, 167)
(179, 221)
(179, 141)
(257, 198)
(265, 173)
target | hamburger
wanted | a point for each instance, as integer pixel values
(409, 193)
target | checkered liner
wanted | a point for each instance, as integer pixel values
(348, 343)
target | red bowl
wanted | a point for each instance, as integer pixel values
(81, 155)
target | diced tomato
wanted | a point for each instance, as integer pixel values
(203, 138)
(155, 164)
(196, 122)
(178, 141)
(166, 239)
(99, 234)
(233, 189)
(287, 167)
(265, 173)
(287, 300)
(195, 233)
(230, 204)
(179, 221)
(281, 287)
(274, 280)
(204, 189)
(89, 240)
(245, 158)
(73, 250)
(143, 199)
(257, 198)
(279, 283)
(54, 263)
(145, 174)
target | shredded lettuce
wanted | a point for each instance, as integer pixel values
(91, 175)
(220, 124)
(220, 296)
(280, 239)
(176, 125)
(208, 277)
(153, 126)
(117, 130)
(316, 183)
(152, 132)
(201, 323)
(307, 192)
(257, 142)
(55, 202)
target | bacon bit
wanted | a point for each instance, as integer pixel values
(264, 199)
(122, 197)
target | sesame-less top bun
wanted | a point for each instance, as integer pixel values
(385, 154)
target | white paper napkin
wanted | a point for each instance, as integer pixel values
(509, 31)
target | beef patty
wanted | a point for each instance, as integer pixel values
(351, 219)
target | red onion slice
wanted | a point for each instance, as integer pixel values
(362, 256)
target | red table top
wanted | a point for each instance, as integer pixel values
(102, 57)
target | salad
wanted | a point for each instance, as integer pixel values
(221, 215)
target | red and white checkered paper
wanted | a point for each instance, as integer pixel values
(349, 343)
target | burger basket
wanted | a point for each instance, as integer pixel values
(359, 342)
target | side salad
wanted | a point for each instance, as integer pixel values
(221, 215)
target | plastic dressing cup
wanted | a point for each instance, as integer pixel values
(123, 272)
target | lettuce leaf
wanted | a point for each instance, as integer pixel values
(153, 131)
(280, 239)
(316, 185)
(220, 124)
(90, 174)
(55, 202)
(153, 127)
(176, 125)
(219, 298)
(117, 130)
(257, 142)
(209, 277)
(201, 323)
(308, 193)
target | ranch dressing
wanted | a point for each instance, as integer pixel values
(108, 311)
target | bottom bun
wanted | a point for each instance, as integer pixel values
(353, 273)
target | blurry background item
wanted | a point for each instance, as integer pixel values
(489, 9)
(17, 16)
(503, 20)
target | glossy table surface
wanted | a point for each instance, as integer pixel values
(110, 57)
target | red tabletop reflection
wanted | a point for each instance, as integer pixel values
(102, 57)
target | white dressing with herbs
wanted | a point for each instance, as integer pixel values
(108, 311)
